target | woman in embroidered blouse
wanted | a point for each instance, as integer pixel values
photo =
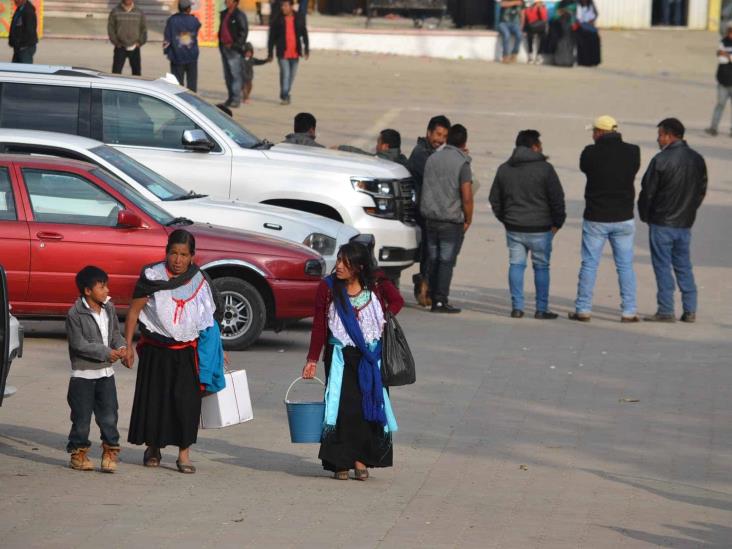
(173, 302)
(350, 308)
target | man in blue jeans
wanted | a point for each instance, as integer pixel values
(528, 199)
(511, 21)
(672, 190)
(289, 35)
(610, 165)
(446, 204)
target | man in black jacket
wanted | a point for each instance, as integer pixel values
(610, 166)
(435, 138)
(289, 34)
(233, 33)
(23, 32)
(527, 197)
(672, 190)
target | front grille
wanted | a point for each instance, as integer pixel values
(406, 203)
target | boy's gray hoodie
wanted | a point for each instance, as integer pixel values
(86, 346)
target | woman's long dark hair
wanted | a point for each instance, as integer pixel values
(181, 236)
(358, 258)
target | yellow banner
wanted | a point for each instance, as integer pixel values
(207, 12)
(7, 9)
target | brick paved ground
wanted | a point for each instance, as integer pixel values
(516, 434)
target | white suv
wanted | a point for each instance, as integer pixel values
(11, 338)
(189, 141)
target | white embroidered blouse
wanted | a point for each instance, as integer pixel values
(178, 314)
(370, 319)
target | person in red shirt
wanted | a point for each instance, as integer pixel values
(535, 25)
(289, 35)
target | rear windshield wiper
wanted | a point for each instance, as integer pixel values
(179, 221)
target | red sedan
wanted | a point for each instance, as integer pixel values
(56, 216)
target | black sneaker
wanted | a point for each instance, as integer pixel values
(545, 315)
(688, 317)
(441, 307)
(659, 318)
(517, 313)
(710, 131)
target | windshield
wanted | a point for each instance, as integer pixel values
(158, 214)
(228, 125)
(152, 181)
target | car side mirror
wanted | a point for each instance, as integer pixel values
(129, 220)
(197, 140)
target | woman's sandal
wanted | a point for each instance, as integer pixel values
(152, 457)
(361, 474)
(341, 475)
(185, 468)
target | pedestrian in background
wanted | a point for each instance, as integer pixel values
(248, 62)
(527, 197)
(434, 139)
(672, 190)
(672, 12)
(95, 344)
(127, 30)
(511, 21)
(446, 205)
(304, 126)
(233, 33)
(587, 36)
(724, 81)
(560, 40)
(180, 44)
(535, 26)
(388, 147)
(350, 310)
(288, 34)
(23, 33)
(610, 165)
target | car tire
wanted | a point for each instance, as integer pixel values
(245, 313)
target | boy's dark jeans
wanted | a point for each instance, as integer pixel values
(87, 396)
(444, 240)
(186, 74)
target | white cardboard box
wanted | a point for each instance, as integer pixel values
(230, 406)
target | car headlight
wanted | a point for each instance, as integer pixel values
(315, 267)
(321, 243)
(382, 191)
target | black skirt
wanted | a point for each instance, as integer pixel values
(354, 438)
(167, 406)
(588, 48)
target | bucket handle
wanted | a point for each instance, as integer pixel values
(287, 394)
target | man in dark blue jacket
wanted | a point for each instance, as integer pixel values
(23, 32)
(180, 43)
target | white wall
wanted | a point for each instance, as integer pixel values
(698, 14)
(627, 14)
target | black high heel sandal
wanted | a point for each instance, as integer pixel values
(152, 457)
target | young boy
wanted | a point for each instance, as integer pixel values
(95, 343)
(248, 62)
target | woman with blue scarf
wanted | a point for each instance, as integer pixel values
(350, 310)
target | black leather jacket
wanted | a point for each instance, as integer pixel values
(238, 28)
(673, 187)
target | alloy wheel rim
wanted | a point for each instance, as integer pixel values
(237, 315)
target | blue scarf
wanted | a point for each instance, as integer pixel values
(369, 372)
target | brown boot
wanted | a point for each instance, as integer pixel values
(110, 455)
(423, 294)
(80, 461)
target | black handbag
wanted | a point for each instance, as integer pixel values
(397, 362)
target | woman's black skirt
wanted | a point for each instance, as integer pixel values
(588, 48)
(354, 438)
(167, 406)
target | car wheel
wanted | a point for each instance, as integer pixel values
(244, 312)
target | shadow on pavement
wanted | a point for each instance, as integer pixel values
(705, 535)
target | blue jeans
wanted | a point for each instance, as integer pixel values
(444, 241)
(97, 396)
(670, 248)
(519, 246)
(231, 60)
(724, 94)
(507, 30)
(288, 70)
(666, 7)
(620, 235)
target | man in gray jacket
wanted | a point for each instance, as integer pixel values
(127, 31)
(446, 204)
(304, 131)
(95, 343)
(528, 199)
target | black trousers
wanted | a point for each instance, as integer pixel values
(97, 396)
(186, 74)
(121, 55)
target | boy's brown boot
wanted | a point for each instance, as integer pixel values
(423, 293)
(110, 455)
(80, 461)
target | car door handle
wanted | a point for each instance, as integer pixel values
(43, 235)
